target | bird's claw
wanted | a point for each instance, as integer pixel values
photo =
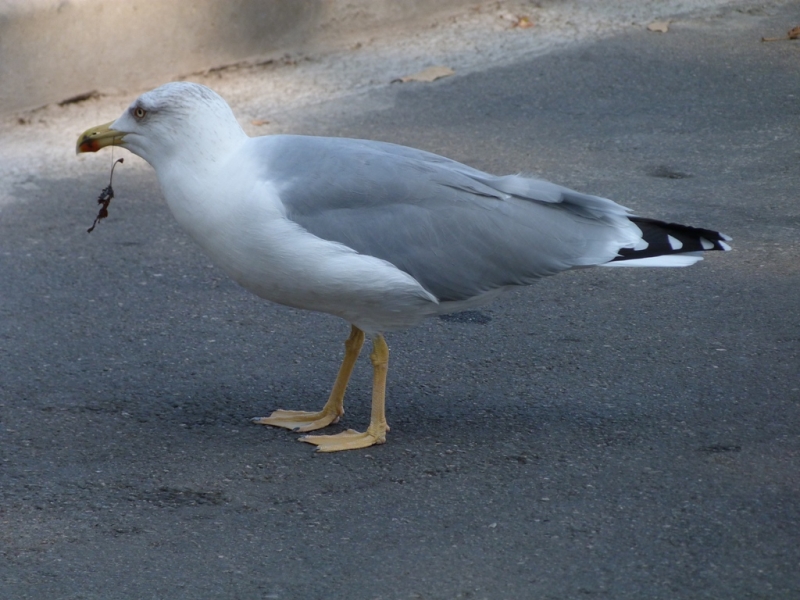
(347, 440)
(299, 420)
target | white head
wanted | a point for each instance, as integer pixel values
(180, 120)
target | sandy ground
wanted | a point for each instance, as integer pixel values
(289, 94)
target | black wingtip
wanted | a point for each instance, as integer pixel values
(660, 238)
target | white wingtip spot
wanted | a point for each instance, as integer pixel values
(727, 238)
(706, 244)
(725, 246)
(674, 243)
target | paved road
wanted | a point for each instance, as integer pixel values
(606, 434)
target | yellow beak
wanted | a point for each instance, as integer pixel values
(98, 137)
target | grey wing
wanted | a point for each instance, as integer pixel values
(458, 231)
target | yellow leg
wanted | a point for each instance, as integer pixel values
(299, 420)
(376, 432)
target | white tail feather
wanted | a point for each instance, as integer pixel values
(670, 260)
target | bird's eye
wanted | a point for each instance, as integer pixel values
(139, 112)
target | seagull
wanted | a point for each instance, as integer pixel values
(378, 234)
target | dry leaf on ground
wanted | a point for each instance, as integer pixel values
(792, 34)
(428, 75)
(524, 23)
(659, 26)
(516, 21)
(259, 122)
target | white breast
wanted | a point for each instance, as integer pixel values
(240, 223)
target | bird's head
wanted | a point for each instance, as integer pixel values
(176, 119)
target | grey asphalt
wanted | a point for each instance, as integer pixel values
(604, 434)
